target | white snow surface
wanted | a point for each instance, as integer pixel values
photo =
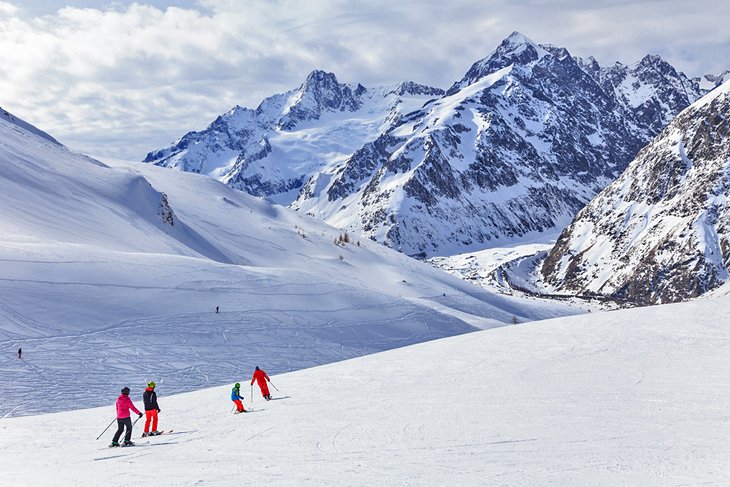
(631, 397)
(110, 275)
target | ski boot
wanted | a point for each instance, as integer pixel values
(113, 444)
(145, 435)
(128, 443)
(155, 433)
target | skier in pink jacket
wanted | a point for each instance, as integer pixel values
(124, 404)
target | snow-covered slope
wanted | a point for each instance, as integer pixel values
(113, 271)
(633, 397)
(515, 148)
(12, 119)
(661, 232)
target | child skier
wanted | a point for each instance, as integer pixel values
(262, 379)
(151, 408)
(236, 397)
(124, 404)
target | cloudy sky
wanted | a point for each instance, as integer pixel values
(119, 78)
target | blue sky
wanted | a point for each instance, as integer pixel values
(119, 79)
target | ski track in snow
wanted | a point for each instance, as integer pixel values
(183, 352)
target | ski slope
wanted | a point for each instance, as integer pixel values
(112, 272)
(630, 397)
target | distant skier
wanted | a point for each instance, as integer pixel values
(20, 353)
(261, 378)
(151, 408)
(124, 404)
(236, 397)
(216, 309)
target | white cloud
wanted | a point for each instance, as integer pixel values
(7, 8)
(124, 80)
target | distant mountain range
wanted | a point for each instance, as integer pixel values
(521, 143)
(661, 232)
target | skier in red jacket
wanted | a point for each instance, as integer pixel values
(262, 379)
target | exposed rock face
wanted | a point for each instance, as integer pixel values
(165, 211)
(652, 92)
(521, 143)
(661, 232)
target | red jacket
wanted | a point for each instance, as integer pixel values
(259, 376)
(124, 404)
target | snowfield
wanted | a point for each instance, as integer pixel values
(631, 397)
(112, 272)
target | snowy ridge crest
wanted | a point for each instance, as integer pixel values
(12, 119)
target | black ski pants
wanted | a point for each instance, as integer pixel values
(121, 424)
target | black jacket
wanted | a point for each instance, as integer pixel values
(150, 400)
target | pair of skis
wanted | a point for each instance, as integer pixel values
(160, 434)
(122, 445)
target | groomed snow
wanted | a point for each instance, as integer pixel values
(633, 397)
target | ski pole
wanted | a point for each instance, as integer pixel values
(135, 421)
(110, 425)
(272, 385)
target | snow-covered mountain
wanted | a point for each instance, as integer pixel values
(661, 232)
(651, 92)
(112, 271)
(523, 141)
(711, 81)
(273, 150)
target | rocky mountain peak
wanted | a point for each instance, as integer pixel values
(515, 41)
(320, 92)
(320, 82)
(590, 66)
(411, 88)
(517, 49)
(653, 65)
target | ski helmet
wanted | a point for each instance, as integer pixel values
(151, 384)
(125, 391)
(238, 386)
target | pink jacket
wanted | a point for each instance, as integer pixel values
(124, 404)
